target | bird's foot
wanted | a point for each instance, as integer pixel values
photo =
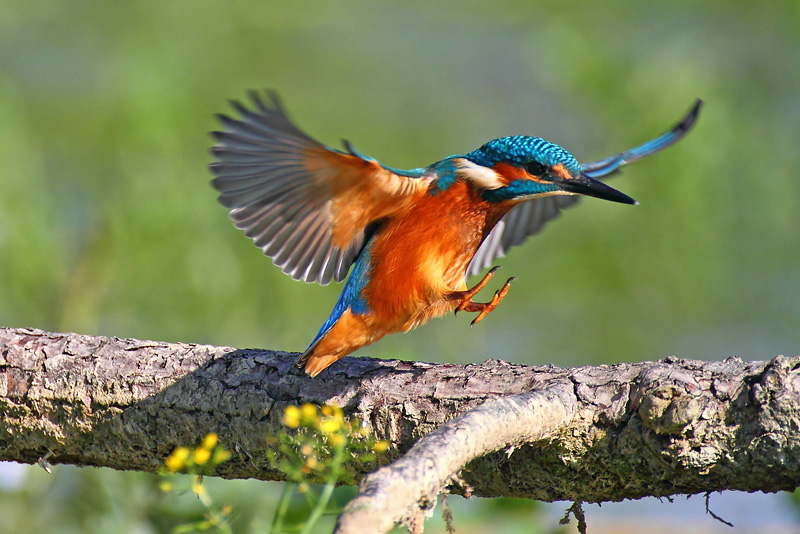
(483, 308)
(466, 296)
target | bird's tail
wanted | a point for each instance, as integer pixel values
(313, 363)
(349, 333)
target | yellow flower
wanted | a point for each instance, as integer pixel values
(306, 450)
(380, 446)
(177, 460)
(198, 487)
(311, 462)
(201, 455)
(220, 455)
(337, 440)
(330, 425)
(309, 413)
(329, 410)
(209, 441)
(291, 416)
(166, 486)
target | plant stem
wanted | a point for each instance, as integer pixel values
(283, 506)
(327, 491)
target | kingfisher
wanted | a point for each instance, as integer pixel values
(408, 238)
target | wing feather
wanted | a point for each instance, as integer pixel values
(523, 221)
(527, 218)
(611, 165)
(305, 205)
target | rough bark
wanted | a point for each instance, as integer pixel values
(405, 491)
(653, 428)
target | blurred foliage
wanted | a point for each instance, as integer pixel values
(108, 225)
(319, 444)
(201, 460)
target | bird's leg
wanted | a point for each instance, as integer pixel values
(466, 296)
(466, 303)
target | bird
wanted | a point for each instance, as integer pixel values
(408, 238)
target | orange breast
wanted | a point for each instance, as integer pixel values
(421, 256)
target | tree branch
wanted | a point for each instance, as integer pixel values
(599, 433)
(405, 490)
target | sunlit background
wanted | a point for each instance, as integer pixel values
(108, 225)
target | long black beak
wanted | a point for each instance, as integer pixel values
(583, 185)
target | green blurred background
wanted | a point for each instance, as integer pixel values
(108, 225)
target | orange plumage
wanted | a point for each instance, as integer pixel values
(408, 238)
(424, 253)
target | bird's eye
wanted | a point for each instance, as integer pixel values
(535, 168)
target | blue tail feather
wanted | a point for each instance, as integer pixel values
(350, 297)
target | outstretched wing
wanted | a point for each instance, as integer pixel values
(527, 218)
(611, 165)
(305, 205)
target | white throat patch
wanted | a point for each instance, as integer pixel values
(479, 175)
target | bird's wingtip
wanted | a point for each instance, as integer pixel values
(688, 121)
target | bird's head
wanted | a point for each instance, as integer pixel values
(522, 167)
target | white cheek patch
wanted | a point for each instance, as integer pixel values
(481, 176)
